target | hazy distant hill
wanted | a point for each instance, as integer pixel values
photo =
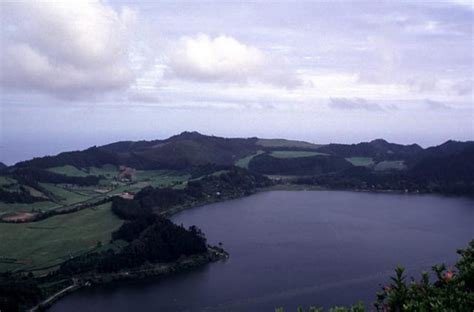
(311, 165)
(378, 149)
(132, 165)
(450, 161)
(81, 159)
(268, 156)
(446, 149)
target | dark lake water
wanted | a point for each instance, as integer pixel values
(298, 248)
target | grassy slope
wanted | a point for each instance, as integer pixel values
(286, 143)
(53, 240)
(161, 178)
(361, 161)
(244, 162)
(70, 195)
(295, 154)
(43, 205)
(68, 171)
(108, 171)
(6, 180)
(65, 196)
(393, 164)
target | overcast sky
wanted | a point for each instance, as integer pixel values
(75, 73)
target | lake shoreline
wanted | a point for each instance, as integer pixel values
(276, 187)
(299, 248)
(161, 270)
(311, 187)
(158, 270)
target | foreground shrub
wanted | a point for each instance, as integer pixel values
(451, 291)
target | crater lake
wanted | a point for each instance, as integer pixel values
(298, 248)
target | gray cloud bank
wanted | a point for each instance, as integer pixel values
(354, 104)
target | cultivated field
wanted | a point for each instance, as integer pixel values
(67, 195)
(286, 143)
(161, 178)
(69, 171)
(388, 165)
(295, 154)
(46, 243)
(15, 207)
(244, 162)
(361, 161)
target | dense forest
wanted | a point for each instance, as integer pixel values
(232, 183)
(450, 290)
(152, 239)
(32, 177)
(452, 174)
(378, 149)
(313, 165)
(22, 195)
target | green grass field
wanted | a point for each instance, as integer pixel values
(131, 187)
(68, 171)
(34, 192)
(43, 205)
(161, 178)
(244, 162)
(53, 240)
(66, 197)
(6, 181)
(70, 195)
(286, 143)
(388, 165)
(108, 171)
(40, 245)
(361, 161)
(90, 191)
(295, 154)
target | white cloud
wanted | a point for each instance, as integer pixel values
(465, 3)
(215, 59)
(225, 59)
(66, 49)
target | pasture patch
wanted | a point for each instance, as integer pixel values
(68, 170)
(51, 241)
(63, 195)
(361, 161)
(17, 207)
(161, 178)
(286, 143)
(244, 162)
(390, 165)
(295, 154)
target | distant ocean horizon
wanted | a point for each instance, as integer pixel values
(13, 151)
